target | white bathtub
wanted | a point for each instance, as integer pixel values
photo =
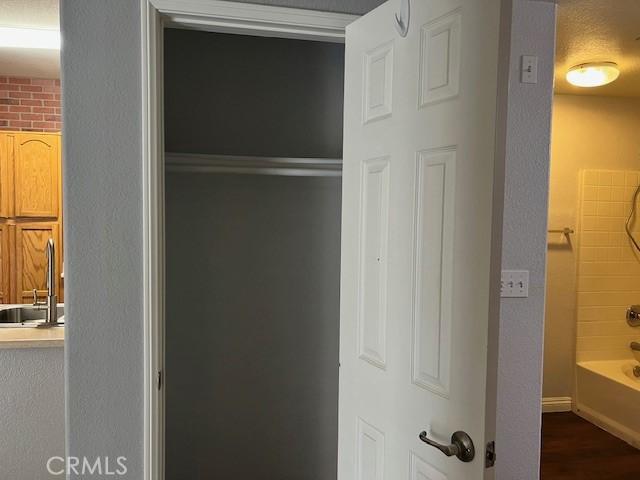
(608, 395)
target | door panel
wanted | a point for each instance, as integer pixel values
(6, 175)
(4, 264)
(416, 238)
(31, 259)
(372, 313)
(432, 264)
(36, 175)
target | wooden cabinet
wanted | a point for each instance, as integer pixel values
(30, 213)
(31, 260)
(5, 295)
(30, 175)
(36, 165)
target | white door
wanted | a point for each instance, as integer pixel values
(417, 213)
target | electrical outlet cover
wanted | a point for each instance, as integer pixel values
(514, 284)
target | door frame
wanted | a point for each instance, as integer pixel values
(213, 16)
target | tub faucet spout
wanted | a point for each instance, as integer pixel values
(635, 349)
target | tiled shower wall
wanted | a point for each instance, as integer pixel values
(609, 267)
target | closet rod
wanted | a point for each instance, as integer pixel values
(203, 163)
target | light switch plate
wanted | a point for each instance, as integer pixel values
(529, 69)
(514, 284)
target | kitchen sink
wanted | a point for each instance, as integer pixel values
(25, 316)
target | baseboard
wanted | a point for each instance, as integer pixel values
(556, 404)
(609, 425)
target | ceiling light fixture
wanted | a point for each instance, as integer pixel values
(11, 37)
(593, 74)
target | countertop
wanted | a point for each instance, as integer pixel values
(30, 337)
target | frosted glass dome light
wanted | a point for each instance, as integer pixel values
(593, 74)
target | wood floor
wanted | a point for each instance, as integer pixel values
(574, 449)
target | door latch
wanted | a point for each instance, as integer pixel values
(490, 455)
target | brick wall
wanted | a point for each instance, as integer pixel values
(30, 104)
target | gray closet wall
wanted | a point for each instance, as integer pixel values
(243, 95)
(253, 261)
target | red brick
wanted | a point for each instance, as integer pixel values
(30, 88)
(58, 82)
(43, 96)
(58, 111)
(52, 103)
(31, 116)
(51, 89)
(19, 124)
(44, 110)
(31, 103)
(19, 109)
(4, 123)
(20, 81)
(4, 108)
(58, 96)
(3, 79)
(43, 81)
(10, 101)
(58, 125)
(32, 129)
(8, 86)
(11, 116)
(43, 125)
(52, 118)
(22, 94)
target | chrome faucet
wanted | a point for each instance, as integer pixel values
(633, 316)
(635, 349)
(52, 299)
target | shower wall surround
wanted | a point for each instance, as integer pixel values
(608, 268)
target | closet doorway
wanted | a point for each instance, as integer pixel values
(253, 135)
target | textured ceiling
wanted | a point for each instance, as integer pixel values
(597, 31)
(22, 62)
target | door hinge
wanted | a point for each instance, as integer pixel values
(490, 455)
(159, 379)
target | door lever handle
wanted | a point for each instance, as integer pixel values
(461, 446)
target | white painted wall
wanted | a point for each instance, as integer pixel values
(31, 411)
(102, 170)
(103, 185)
(524, 243)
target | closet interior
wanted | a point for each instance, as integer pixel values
(253, 140)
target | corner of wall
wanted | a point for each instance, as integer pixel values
(526, 174)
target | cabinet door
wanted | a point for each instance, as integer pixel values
(6, 178)
(31, 259)
(4, 264)
(36, 164)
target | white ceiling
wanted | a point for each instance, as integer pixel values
(597, 31)
(22, 62)
(588, 31)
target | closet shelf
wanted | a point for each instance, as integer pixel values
(203, 163)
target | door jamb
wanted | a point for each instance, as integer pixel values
(215, 16)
